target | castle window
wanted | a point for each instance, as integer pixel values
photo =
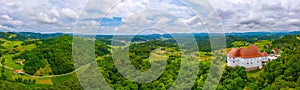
(247, 63)
(257, 61)
(233, 62)
(251, 62)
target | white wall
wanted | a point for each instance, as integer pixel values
(248, 63)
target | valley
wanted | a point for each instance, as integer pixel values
(46, 62)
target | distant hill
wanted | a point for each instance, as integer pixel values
(27, 35)
(263, 33)
(138, 38)
(39, 35)
(12, 36)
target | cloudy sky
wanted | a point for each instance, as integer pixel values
(125, 16)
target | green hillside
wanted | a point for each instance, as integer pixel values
(49, 65)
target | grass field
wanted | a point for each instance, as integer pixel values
(12, 35)
(60, 79)
(240, 44)
(11, 44)
(8, 57)
(255, 73)
(46, 81)
(8, 73)
(11, 63)
(260, 44)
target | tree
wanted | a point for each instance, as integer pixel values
(3, 69)
(3, 61)
(25, 81)
(30, 81)
(19, 80)
(3, 77)
(33, 81)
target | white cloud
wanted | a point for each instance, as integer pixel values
(69, 13)
(15, 22)
(6, 28)
(54, 12)
(10, 21)
(6, 17)
(97, 8)
(39, 16)
(258, 15)
(236, 15)
(44, 18)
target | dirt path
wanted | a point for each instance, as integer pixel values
(49, 76)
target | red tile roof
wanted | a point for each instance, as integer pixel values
(250, 52)
(276, 49)
(234, 52)
(265, 53)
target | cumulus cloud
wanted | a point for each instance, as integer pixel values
(39, 16)
(54, 12)
(236, 15)
(7, 21)
(69, 13)
(44, 18)
(6, 17)
(257, 15)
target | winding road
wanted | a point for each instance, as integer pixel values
(49, 76)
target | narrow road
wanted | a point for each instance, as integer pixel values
(49, 76)
(6, 67)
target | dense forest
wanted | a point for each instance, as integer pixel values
(56, 52)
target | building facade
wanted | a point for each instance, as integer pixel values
(250, 58)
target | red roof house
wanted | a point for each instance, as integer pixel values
(250, 52)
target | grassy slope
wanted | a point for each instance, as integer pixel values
(12, 63)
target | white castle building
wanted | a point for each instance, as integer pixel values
(250, 58)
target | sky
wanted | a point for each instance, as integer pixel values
(131, 16)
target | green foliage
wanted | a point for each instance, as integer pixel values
(61, 79)
(7, 36)
(240, 44)
(282, 73)
(56, 52)
(29, 42)
(233, 78)
(5, 85)
(138, 53)
(2, 42)
(3, 61)
(101, 48)
(69, 84)
(3, 77)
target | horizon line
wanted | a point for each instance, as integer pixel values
(152, 33)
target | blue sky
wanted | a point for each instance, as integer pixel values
(61, 15)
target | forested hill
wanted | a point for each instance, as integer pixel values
(40, 35)
(28, 35)
(12, 36)
(55, 53)
(280, 74)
